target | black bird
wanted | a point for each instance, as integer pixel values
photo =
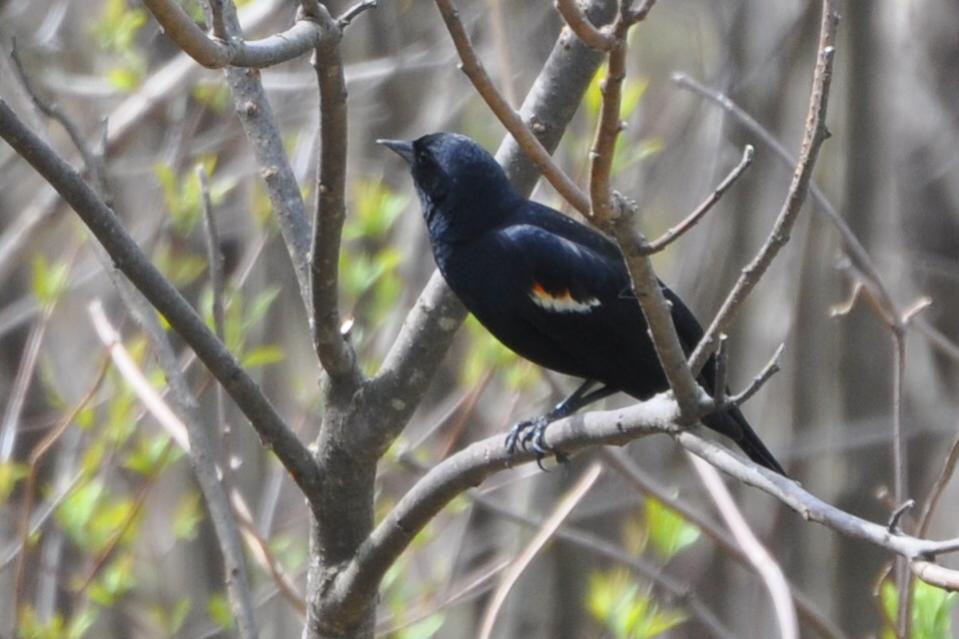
(551, 289)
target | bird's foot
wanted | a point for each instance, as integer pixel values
(530, 434)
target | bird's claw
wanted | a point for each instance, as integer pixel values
(530, 434)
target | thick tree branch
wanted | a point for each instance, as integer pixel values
(814, 135)
(129, 259)
(333, 349)
(510, 119)
(470, 466)
(217, 53)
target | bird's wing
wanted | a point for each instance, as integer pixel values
(562, 275)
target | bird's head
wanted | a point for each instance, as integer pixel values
(460, 185)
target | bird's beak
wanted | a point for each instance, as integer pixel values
(402, 148)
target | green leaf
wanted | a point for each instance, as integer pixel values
(81, 622)
(219, 610)
(263, 356)
(49, 280)
(114, 581)
(669, 533)
(10, 473)
(187, 517)
(151, 454)
(616, 601)
(422, 629)
(931, 610)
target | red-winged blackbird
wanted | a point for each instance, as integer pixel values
(551, 289)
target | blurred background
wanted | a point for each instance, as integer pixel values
(119, 542)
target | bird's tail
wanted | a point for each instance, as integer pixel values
(733, 424)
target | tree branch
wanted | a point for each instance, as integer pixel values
(510, 119)
(766, 567)
(693, 218)
(129, 259)
(333, 348)
(599, 39)
(216, 53)
(814, 134)
(470, 466)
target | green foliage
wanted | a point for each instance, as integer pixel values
(57, 627)
(49, 281)
(170, 620)
(669, 532)
(187, 517)
(214, 95)
(626, 612)
(114, 581)
(115, 31)
(183, 196)
(10, 473)
(423, 629)
(931, 610)
(218, 608)
(488, 354)
(151, 454)
(116, 28)
(375, 208)
(92, 517)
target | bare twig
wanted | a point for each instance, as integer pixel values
(344, 20)
(36, 456)
(771, 368)
(215, 260)
(300, 38)
(607, 131)
(693, 218)
(900, 470)
(814, 135)
(546, 531)
(767, 567)
(510, 119)
(599, 39)
(621, 463)
(164, 297)
(935, 493)
(333, 349)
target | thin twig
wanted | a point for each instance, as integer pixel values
(693, 218)
(771, 368)
(815, 133)
(576, 20)
(510, 119)
(722, 361)
(607, 131)
(214, 258)
(563, 508)
(620, 461)
(344, 20)
(36, 456)
(766, 566)
(900, 472)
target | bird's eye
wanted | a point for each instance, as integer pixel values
(422, 157)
